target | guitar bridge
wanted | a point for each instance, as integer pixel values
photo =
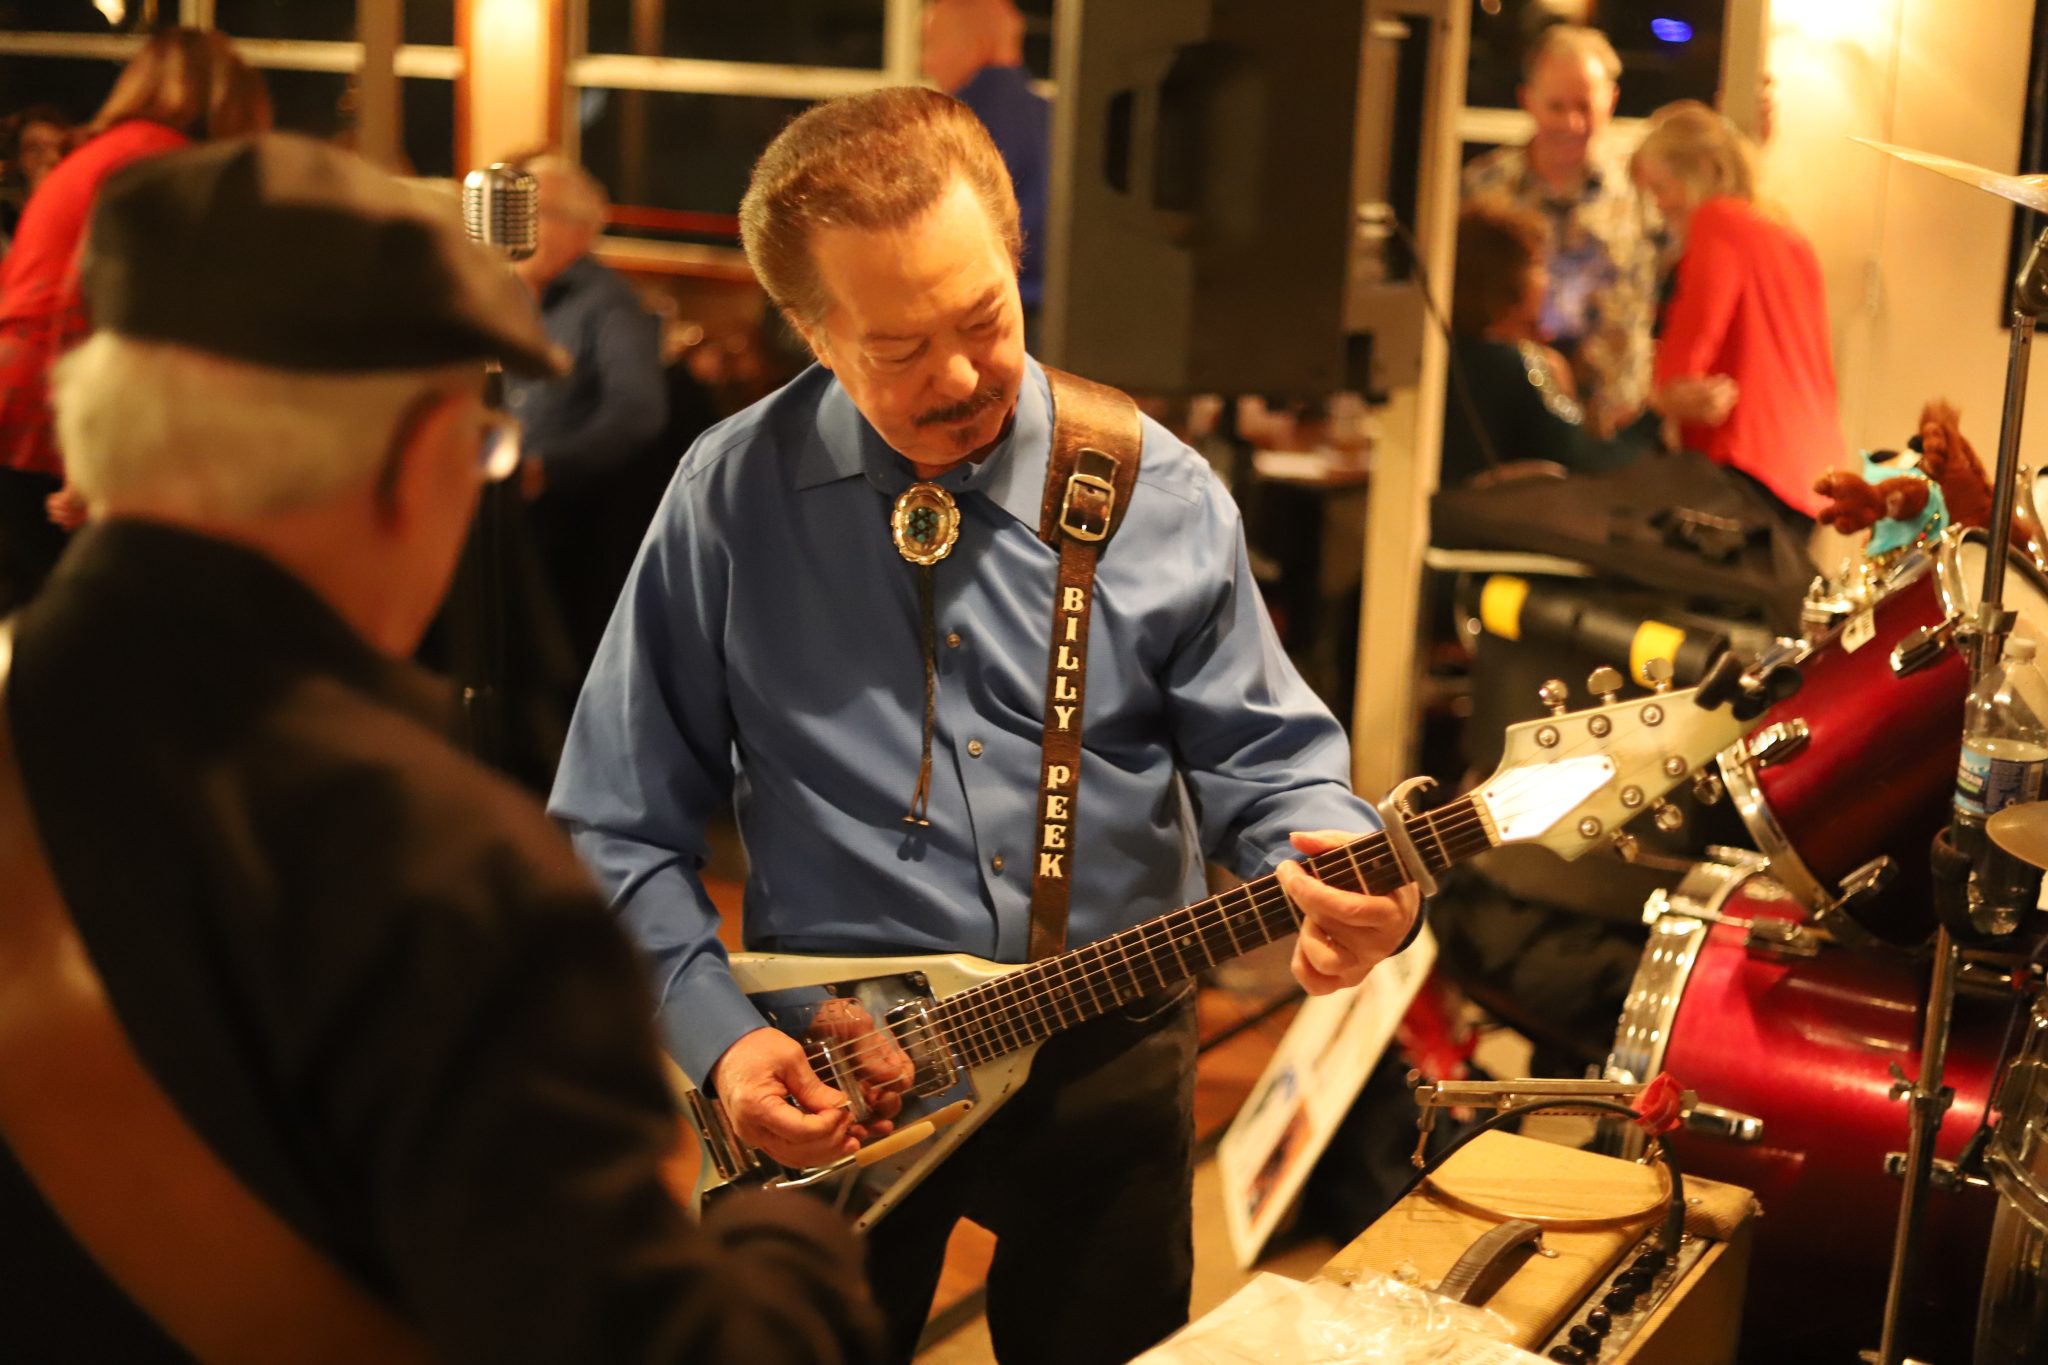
(730, 1157)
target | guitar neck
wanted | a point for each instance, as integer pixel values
(1031, 1004)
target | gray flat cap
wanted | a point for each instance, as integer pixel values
(282, 251)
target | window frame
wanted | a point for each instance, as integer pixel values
(408, 60)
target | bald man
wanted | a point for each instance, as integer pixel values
(974, 51)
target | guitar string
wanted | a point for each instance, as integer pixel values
(1001, 1004)
(1002, 1000)
(1006, 992)
(991, 1040)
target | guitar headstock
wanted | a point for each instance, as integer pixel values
(1572, 779)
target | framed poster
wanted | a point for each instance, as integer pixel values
(1306, 1089)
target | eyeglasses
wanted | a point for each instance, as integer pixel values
(498, 445)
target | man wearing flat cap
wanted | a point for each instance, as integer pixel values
(391, 1047)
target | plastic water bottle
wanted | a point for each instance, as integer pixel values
(2005, 756)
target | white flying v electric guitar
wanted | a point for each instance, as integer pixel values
(955, 1035)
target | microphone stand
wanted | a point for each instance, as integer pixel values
(1927, 1099)
(500, 204)
(477, 630)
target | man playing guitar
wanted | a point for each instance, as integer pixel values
(842, 610)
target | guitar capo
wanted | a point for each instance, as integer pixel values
(1394, 812)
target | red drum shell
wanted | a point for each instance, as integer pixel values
(1878, 768)
(1806, 1045)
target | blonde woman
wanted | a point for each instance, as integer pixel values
(1748, 308)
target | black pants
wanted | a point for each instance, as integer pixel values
(29, 541)
(1086, 1178)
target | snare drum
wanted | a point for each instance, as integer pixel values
(1861, 762)
(1790, 1055)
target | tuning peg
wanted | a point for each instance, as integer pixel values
(1667, 816)
(1707, 789)
(1553, 695)
(1658, 671)
(1626, 846)
(1605, 683)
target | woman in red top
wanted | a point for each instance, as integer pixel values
(185, 85)
(1749, 305)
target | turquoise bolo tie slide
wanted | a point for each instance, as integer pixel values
(925, 523)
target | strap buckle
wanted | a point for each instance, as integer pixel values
(1090, 498)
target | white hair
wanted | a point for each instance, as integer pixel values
(185, 432)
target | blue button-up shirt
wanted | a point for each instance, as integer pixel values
(614, 399)
(767, 650)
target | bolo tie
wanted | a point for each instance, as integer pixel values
(925, 523)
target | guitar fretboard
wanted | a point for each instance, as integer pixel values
(1031, 1004)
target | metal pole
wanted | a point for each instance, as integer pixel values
(1927, 1099)
(1927, 1105)
(2004, 492)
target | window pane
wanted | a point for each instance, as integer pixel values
(315, 20)
(1669, 49)
(430, 21)
(671, 151)
(794, 32)
(75, 16)
(429, 125)
(77, 86)
(317, 103)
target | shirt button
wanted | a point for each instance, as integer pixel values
(996, 863)
(952, 639)
(974, 748)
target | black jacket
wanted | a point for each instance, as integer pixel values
(375, 981)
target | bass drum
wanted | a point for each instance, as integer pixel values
(1861, 762)
(1790, 1054)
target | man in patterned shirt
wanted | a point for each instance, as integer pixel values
(1605, 236)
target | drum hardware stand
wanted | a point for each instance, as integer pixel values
(1559, 1095)
(1927, 1099)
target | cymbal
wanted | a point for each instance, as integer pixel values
(2022, 830)
(2028, 191)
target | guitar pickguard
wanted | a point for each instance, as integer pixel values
(864, 1022)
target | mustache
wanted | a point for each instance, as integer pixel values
(976, 402)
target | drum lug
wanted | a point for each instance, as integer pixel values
(1866, 881)
(1776, 743)
(1714, 1121)
(1921, 647)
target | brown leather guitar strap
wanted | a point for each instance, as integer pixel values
(1088, 481)
(143, 1193)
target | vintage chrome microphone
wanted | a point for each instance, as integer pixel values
(500, 210)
